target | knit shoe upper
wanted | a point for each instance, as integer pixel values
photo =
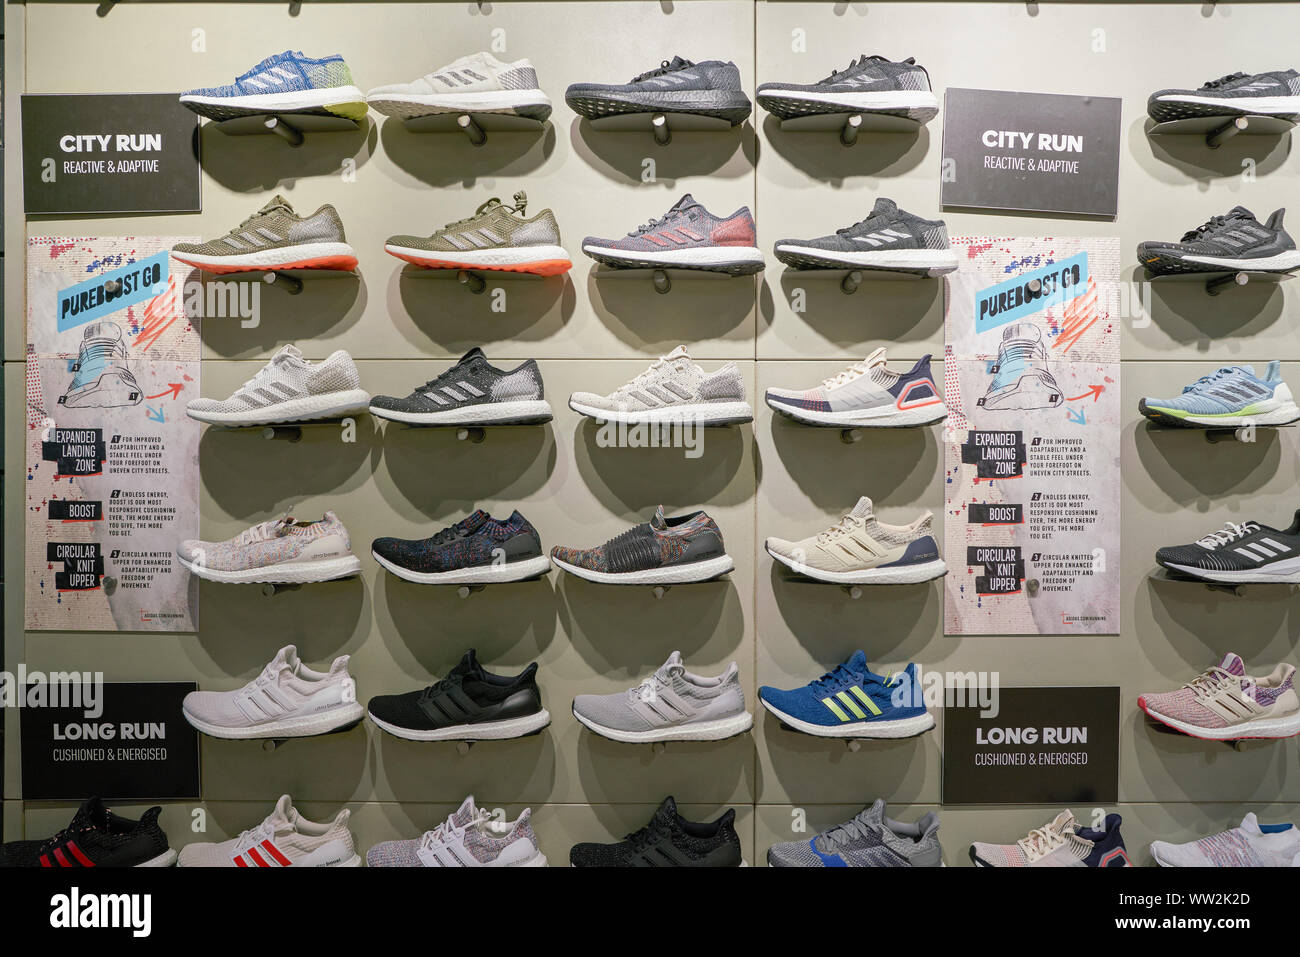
(658, 543)
(868, 840)
(478, 539)
(669, 840)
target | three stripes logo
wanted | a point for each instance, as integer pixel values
(882, 237)
(74, 857)
(1263, 550)
(833, 703)
(252, 858)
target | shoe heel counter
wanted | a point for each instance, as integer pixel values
(329, 222)
(934, 235)
(723, 385)
(702, 546)
(547, 218)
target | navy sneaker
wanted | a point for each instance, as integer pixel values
(1260, 94)
(851, 702)
(1060, 843)
(478, 550)
(711, 88)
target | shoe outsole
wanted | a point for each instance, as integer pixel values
(806, 263)
(1165, 724)
(632, 261)
(541, 267)
(1173, 421)
(796, 415)
(790, 108)
(341, 263)
(730, 105)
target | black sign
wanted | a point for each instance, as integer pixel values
(134, 744)
(1042, 746)
(1042, 152)
(109, 153)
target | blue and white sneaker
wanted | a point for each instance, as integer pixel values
(285, 83)
(1229, 397)
(866, 395)
(851, 702)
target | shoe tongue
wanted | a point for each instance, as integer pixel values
(858, 663)
(490, 204)
(674, 661)
(1240, 212)
(473, 522)
(466, 812)
(468, 665)
(1063, 823)
(475, 353)
(678, 353)
(278, 202)
(667, 812)
(657, 520)
(883, 207)
(1233, 664)
(288, 352)
(874, 814)
(286, 657)
(92, 812)
(877, 358)
(862, 509)
(677, 63)
(1250, 824)
(283, 814)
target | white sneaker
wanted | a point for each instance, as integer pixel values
(287, 700)
(673, 389)
(866, 395)
(282, 552)
(1251, 845)
(285, 838)
(470, 837)
(289, 388)
(478, 83)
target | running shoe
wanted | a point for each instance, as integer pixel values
(1234, 241)
(470, 704)
(1226, 704)
(96, 838)
(669, 840)
(470, 837)
(688, 236)
(281, 552)
(1250, 845)
(275, 238)
(673, 389)
(710, 88)
(1060, 843)
(1232, 396)
(102, 376)
(859, 549)
(284, 839)
(287, 700)
(1022, 375)
(289, 388)
(890, 238)
(477, 550)
(866, 395)
(870, 84)
(670, 705)
(868, 840)
(496, 237)
(1249, 552)
(286, 83)
(851, 702)
(472, 392)
(662, 551)
(478, 83)
(1276, 93)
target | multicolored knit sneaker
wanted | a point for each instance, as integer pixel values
(662, 551)
(688, 236)
(1059, 843)
(477, 550)
(282, 551)
(1251, 845)
(285, 83)
(1226, 704)
(470, 837)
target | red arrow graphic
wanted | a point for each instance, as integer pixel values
(1093, 390)
(174, 389)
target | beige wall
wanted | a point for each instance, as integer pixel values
(771, 478)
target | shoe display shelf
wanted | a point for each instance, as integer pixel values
(1216, 282)
(663, 279)
(475, 126)
(1216, 130)
(1215, 434)
(660, 125)
(851, 125)
(290, 127)
(854, 591)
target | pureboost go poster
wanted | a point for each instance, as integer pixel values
(112, 459)
(1032, 480)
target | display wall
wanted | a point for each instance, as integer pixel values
(593, 334)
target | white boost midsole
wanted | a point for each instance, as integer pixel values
(1282, 414)
(1247, 104)
(670, 575)
(303, 726)
(880, 258)
(503, 256)
(1287, 570)
(880, 728)
(287, 100)
(326, 406)
(266, 258)
(1287, 260)
(867, 100)
(483, 731)
(478, 575)
(698, 413)
(698, 256)
(892, 575)
(166, 859)
(485, 101)
(1257, 728)
(288, 573)
(717, 730)
(484, 413)
(884, 416)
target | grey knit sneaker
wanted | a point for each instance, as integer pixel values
(710, 88)
(673, 389)
(275, 237)
(470, 837)
(472, 392)
(868, 840)
(670, 705)
(289, 388)
(496, 237)
(1276, 93)
(890, 238)
(870, 84)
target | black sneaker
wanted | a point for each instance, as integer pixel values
(662, 551)
(470, 704)
(478, 550)
(1249, 552)
(1259, 94)
(472, 392)
(1225, 244)
(669, 840)
(889, 238)
(96, 838)
(870, 84)
(711, 88)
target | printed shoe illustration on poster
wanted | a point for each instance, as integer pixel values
(1031, 480)
(112, 460)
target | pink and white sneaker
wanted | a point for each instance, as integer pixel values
(1226, 704)
(688, 236)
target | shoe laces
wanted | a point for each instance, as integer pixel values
(649, 688)
(450, 829)
(442, 684)
(255, 835)
(1210, 682)
(847, 523)
(841, 835)
(1230, 532)
(1210, 379)
(665, 66)
(653, 832)
(655, 368)
(521, 203)
(1211, 225)
(854, 371)
(1040, 841)
(857, 64)
(264, 531)
(1231, 77)
(653, 223)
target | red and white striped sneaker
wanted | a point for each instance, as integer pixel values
(285, 838)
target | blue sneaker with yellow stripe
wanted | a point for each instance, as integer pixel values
(851, 702)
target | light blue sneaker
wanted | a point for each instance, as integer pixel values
(1229, 397)
(285, 83)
